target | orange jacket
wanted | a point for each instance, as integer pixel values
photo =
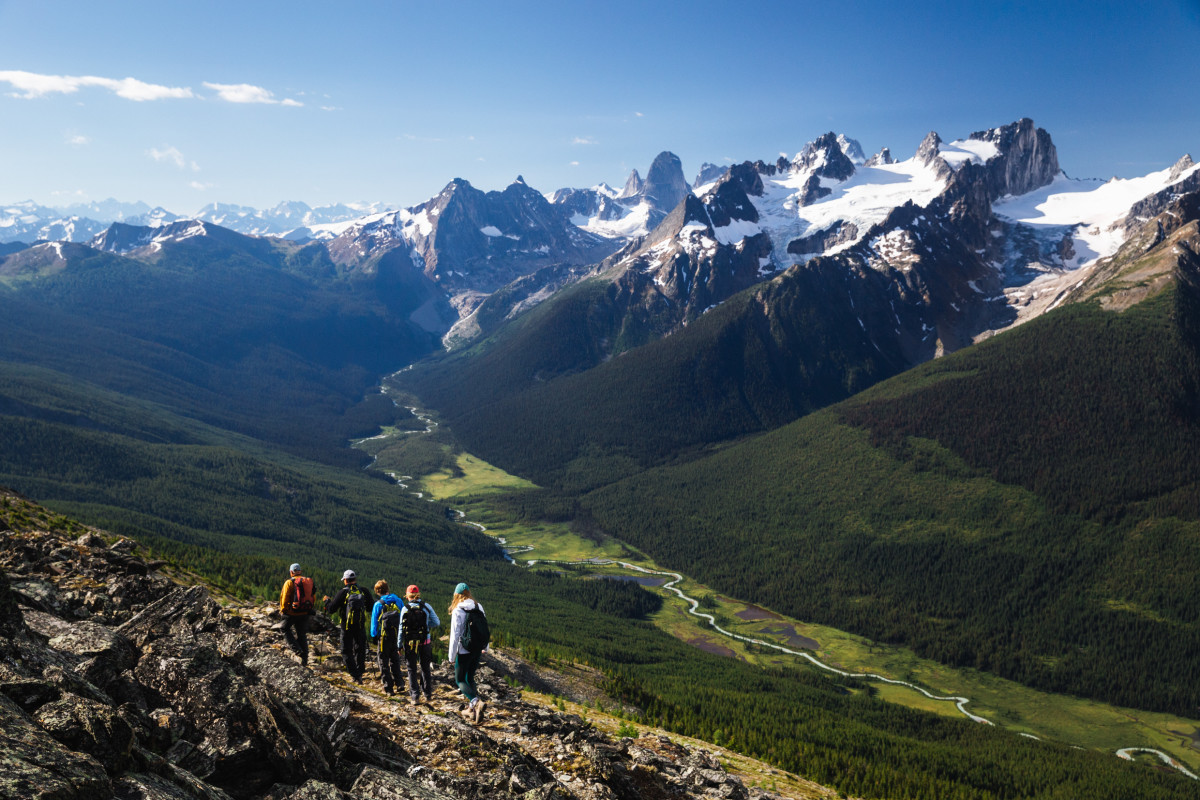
(288, 592)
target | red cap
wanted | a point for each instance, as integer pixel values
(412, 589)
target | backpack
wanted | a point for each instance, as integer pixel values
(302, 595)
(475, 635)
(416, 625)
(356, 607)
(389, 621)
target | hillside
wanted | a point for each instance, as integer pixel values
(1028, 506)
(150, 688)
(266, 338)
(155, 690)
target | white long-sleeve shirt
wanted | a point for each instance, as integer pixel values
(458, 619)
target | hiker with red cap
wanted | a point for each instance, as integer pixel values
(417, 619)
(350, 604)
(296, 605)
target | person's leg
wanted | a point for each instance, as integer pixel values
(464, 674)
(348, 650)
(385, 668)
(425, 652)
(412, 660)
(358, 650)
(302, 638)
(289, 633)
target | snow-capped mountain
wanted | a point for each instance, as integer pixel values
(291, 219)
(471, 242)
(985, 229)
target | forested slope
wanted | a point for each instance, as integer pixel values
(1027, 506)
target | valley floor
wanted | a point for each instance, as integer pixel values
(729, 627)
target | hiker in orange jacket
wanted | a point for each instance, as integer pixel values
(296, 605)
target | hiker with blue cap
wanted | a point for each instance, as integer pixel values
(296, 605)
(469, 637)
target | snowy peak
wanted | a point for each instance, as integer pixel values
(824, 158)
(124, 239)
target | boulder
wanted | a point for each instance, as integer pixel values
(33, 766)
(375, 784)
(86, 726)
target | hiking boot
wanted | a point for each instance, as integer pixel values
(412, 701)
(428, 699)
(389, 690)
(479, 709)
(468, 714)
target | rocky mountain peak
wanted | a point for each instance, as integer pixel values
(1181, 166)
(116, 680)
(824, 158)
(929, 149)
(633, 186)
(665, 186)
(851, 149)
(882, 158)
(1029, 161)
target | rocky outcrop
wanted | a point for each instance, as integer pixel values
(1028, 159)
(665, 185)
(116, 681)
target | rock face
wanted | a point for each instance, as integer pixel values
(162, 693)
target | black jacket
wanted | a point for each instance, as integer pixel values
(337, 603)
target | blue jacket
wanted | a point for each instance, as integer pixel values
(429, 612)
(378, 609)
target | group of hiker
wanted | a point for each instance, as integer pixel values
(398, 626)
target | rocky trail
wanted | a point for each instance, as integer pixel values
(119, 681)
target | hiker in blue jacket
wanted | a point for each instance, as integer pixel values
(385, 624)
(417, 619)
(465, 655)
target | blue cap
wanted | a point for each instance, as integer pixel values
(462, 588)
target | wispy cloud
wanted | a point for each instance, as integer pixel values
(583, 140)
(171, 155)
(78, 140)
(200, 187)
(30, 85)
(248, 93)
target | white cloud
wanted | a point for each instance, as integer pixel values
(78, 140)
(171, 155)
(574, 163)
(248, 93)
(200, 187)
(638, 114)
(30, 85)
(583, 140)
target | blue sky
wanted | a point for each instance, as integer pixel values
(182, 104)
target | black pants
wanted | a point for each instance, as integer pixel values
(295, 632)
(422, 681)
(354, 650)
(389, 664)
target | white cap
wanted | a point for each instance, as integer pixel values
(348, 574)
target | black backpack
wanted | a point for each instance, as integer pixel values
(476, 634)
(416, 625)
(389, 622)
(356, 608)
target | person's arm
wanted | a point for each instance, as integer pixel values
(284, 595)
(455, 631)
(434, 622)
(338, 604)
(375, 619)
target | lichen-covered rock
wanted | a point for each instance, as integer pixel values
(35, 767)
(375, 784)
(88, 727)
